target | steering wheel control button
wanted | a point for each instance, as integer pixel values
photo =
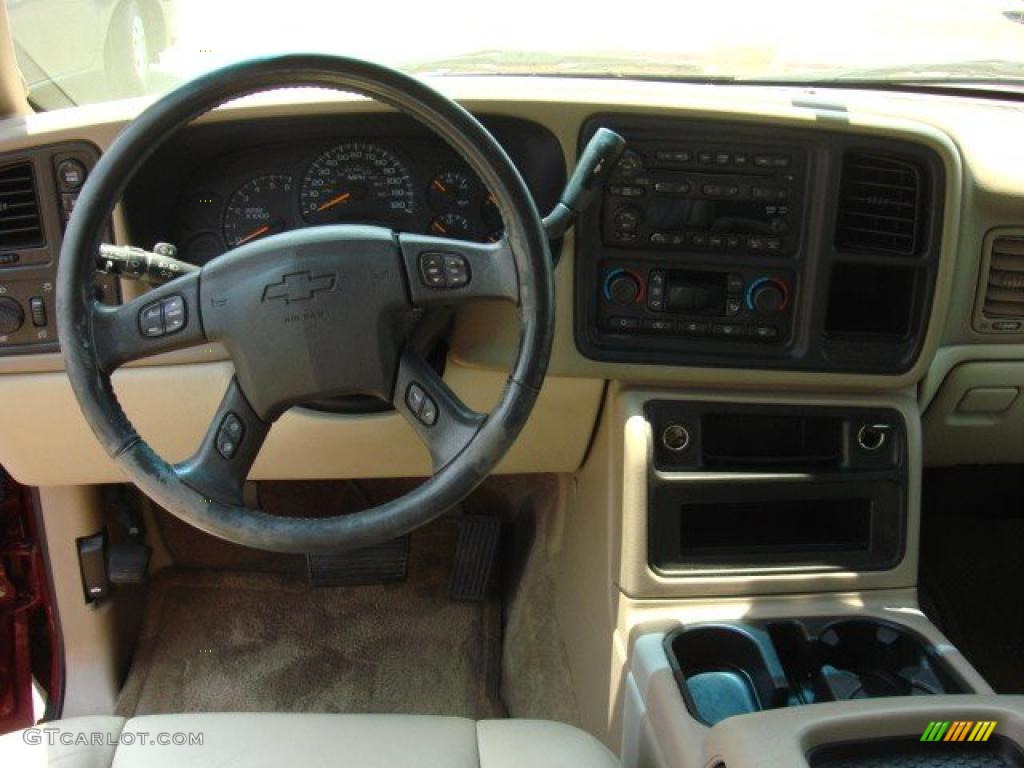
(456, 271)
(230, 435)
(421, 405)
(163, 317)
(432, 270)
(174, 314)
(151, 320)
(414, 398)
(444, 270)
(428, 414)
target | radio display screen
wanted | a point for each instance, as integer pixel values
(744, 217)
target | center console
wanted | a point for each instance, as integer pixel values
(728, 245)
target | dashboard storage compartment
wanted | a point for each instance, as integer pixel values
(729, 669)
(738, 488)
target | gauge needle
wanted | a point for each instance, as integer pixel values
(335, 201)
(254, 234)
(440, 187)
(437, 226)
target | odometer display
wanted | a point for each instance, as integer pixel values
(357, 182)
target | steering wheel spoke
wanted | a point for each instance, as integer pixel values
(219, 469)
(443, 271)
(161, 320)
(442, 421)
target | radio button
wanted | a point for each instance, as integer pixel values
(694, 327)
(735, 283)
(723, 158)
(673, 156)
(772, 161)
(660, 326)
(732, 241)
(626, 220)
(731, 330)
(630, 163)
(623, 323)
(733, 307)
(699, 239)
(765, 332)
(619, 190)
(741, 159)
(715, 241)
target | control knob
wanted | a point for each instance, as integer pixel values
(11, 315)
(767, 296)
(622, 287)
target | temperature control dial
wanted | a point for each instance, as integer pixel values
(622, 287)
(767, 296)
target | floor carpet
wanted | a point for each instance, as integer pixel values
(243, 641)
(972, 571)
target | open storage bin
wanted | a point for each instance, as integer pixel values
(730, 669)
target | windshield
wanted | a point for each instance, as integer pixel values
(80, 51)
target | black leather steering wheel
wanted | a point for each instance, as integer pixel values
(307, 314)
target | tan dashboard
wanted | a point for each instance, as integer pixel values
(44, 441)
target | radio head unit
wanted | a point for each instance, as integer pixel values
(705, 197)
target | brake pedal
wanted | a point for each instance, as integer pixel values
(382, 564)
(476, 557)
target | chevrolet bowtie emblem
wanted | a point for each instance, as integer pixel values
(298, 286)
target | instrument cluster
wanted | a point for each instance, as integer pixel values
(408, 186)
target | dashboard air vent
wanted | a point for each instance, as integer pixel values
(879, 204)
(20, 226)
(1004, 290)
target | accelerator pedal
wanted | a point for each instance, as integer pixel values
(476, 558)
(382, 564)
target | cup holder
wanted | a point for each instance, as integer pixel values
(736, 668)
(866, 660)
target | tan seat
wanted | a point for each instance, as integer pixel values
(298, 740)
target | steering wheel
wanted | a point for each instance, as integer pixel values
(307, 314)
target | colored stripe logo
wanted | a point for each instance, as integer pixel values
(959, 730)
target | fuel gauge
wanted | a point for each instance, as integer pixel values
(452, 225)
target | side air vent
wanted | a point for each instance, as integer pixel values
(1002, 307)
(20, 226)
(879, 205)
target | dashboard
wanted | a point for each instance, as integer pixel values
(641, 283)
(217, 192)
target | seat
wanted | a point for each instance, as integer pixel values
(296, 740)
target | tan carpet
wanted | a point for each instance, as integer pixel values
(258, 642)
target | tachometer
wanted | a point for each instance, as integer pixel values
(260, 207)
(357, 182)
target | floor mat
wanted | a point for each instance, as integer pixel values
(261, 642)
(972, 572)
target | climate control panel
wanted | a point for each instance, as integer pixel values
(742, 304)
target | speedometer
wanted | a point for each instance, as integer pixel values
(357, 182)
